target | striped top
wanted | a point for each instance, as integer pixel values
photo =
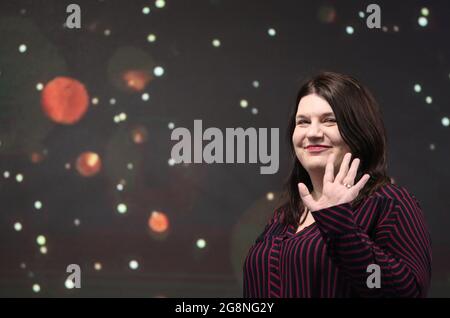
(331, 257)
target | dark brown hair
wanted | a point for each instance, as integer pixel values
(361, 126)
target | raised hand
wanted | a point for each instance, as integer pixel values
(337, 190)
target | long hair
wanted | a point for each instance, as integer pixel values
(361, 126)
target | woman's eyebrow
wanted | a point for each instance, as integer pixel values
(323, 115)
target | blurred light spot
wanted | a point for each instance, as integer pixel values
(97, 266)
(254, 111)
(139, 135)
(107, 32)
(255, 84)
(417, 88)
(112, 101)
(67, 166)
(95, 100)
(19, 177)
(145, 10)
(428, 99)
(158, 222)
(361, 14)
(160, 3)
(432, 147)
(23, 265)
(158, 71)
(171, 162)
(39, 86)
(145, 97)
(423, 22)
(88, 164)
(76, 222)
(130, 166)
(22, 48)
(424, 11)
(41, 240)
(43, 250)
(171, 125)
(38, 205)
(349, 30)
(119, 187)
(133, 264)
(271, 32)
(6, 174)
(36, 288)
(445, 121)
(396, 28)
(243, 103)
(18, 226)
(122, 208)
(326, 14)
(151, 37)
(270, 196)
(216, 42)
(122, 116)
(201, 243)
(69, 284)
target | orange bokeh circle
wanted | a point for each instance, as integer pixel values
(64, 100)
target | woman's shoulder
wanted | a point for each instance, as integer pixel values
(393, 191)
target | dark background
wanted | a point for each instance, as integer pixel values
(225, 204)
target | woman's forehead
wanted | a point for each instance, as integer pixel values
(313, 105)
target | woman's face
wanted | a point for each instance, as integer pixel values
(316, 125)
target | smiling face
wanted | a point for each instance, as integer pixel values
(316, 125)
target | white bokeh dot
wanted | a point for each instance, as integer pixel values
(41, 240)
(171, 125)
(145, 10)
(349, 29)
(423, 22)
(19, 177)
(145, 97)
(151, 38)
(22, 48)
(38, 205)
(36, 288)
(122, 208)
(243, 103)
(216, 42)
(133, 264)
(428, 99)
(417, 88)
(160, 4)
(69, 284)
(171, 162)
(201, 243)
(271, 32)
(18, 226)
(445, 121)
(158, 71)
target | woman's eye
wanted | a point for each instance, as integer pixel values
(331, 120)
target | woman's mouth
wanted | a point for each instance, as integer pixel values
(316, 149)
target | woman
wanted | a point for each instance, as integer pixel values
(346, 230)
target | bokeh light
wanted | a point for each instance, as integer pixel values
(64, 100)
(158, 222)
(88, 164)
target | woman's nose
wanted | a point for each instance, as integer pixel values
(314, 130)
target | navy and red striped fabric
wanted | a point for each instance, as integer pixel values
(330, 257)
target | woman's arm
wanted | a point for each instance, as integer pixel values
(400, 244)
